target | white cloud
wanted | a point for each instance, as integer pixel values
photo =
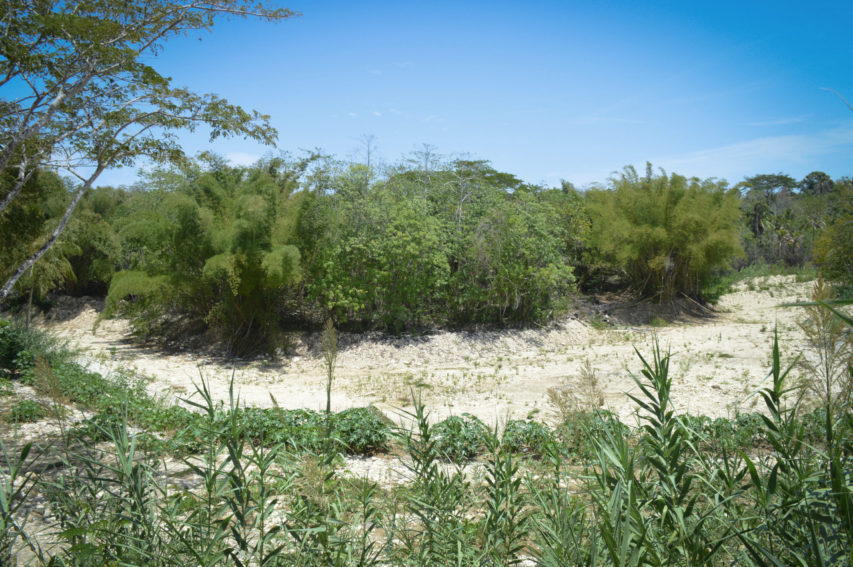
(761, 154)
(780, 121)
(241, 158)
(352, 114)
(377, 113)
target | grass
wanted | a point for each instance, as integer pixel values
(262, 488)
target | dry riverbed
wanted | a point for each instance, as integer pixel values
(718, 361)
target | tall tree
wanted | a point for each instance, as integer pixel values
(816, 183)
(669, 233)
(80, 98)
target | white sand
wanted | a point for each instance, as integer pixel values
(717, 363)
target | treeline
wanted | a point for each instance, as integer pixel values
(242, 253)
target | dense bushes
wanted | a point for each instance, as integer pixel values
(668, 233)
(459, 245)
(242, 251)
(240, 254)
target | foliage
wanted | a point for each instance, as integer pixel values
(217, 249)
(826, 377)
(833, 249)
(459, 438)
(526, 437)
(770, 488)
(669, 234)
(360, 431)
(578, 432)
(458, 244)
(82, 96)
(98, 247)
(783, 219)
(26, 411)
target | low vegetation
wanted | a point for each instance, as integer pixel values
(266, 487)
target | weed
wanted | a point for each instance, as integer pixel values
(27, 411)
(459, 439)
(527, 438)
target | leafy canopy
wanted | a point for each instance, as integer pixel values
(80, 97)
(668, 233)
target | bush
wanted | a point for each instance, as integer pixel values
(360, 431)
(527, 437)
(668, 233)
(19, 348)
(459, 439)
(357, 430)
(11, 344)
(27, 411)
(578, 434)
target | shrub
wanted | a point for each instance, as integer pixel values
(11, 344)
(360, 430)
(357, 430)
(459, 439)
(668, 233)
(527, 437)
(578, 433)
(27, 411)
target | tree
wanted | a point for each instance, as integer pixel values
(214, 252)
(668, 233)
(816, 183)
(82, 99)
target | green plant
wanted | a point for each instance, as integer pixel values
(505, 525)
(330, 355)
(826, 378)
(360, 431)
(16, 484)
(577, 434)
(443, 532)
(668, 233)
(526, 437)
(459, 438)
(27, 411)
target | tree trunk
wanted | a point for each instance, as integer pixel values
(30, 300)
(29, 262)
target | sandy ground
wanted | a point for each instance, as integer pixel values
(717, 363)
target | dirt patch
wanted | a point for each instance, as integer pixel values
(718, 360)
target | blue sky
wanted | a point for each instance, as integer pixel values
(544, 90)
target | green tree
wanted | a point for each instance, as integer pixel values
(816, 183)
(81, 97)
(834, 247)
(375, 259)
(215, 250)
(668, 233)
(98, 245)
(774, 233)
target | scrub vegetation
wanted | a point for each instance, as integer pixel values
(202, 252)
(269, 486)
(242, 255)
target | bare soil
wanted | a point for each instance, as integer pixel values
(719, 359)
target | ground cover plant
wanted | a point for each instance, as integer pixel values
(767, 488)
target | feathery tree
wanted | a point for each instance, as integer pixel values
(216, 249)
(667, 232)
(79, 96)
